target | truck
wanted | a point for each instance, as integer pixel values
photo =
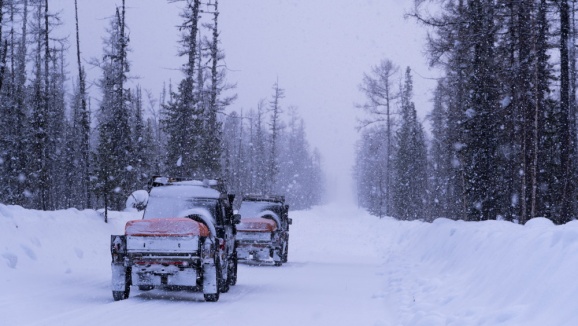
(186, 240)
(263, 234)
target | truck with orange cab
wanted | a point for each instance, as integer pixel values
(263, 234)
(185, 240)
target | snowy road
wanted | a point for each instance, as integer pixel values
(345, 268)
(330, 279)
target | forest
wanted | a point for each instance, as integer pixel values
(503, 123)
(62, 146)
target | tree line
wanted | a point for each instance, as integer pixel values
(503, 123)
(59, 150)
(266, 155)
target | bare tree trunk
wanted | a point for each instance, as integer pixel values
(565, 118)
(3, 47)
(388, 157)
(215, 59)
(193, 43)
(85, 119)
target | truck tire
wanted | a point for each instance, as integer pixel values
(232, 275)
(286, 252)
(121, 295)
(225, 282)
(279, 253)
(214, 297)
(276, 252)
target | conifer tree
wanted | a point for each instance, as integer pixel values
(274, 130)
(182, 120)
(82, 128)
(410, 197)
(114, 147)
(441, 162)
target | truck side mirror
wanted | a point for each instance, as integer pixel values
(236, 218)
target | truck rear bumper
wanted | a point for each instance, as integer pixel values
(254, 251)
(157, 275)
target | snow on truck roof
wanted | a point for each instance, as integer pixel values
(185, 189)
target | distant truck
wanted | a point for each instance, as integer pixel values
(186, 240)
(263, 234)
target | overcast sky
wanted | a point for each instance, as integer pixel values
(318, 50)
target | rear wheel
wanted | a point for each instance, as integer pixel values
(232, 275)
(225, 281)
(276, 253)
(121, 295)
(214, 297)
(280, 255)
(286, 252)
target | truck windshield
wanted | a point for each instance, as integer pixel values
(253, 208)
(167, 207)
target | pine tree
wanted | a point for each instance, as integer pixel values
(566, 119)
(274, 130)
(139, 164)
(410, 196)
(232, 149)
(56, 133)
(370, 170)
(215, 102)
(440, 155)
(82, 128)
(40, 108)
(17, 130)
(260, 157)
(114, 147)
(182, 120)
(47, 105)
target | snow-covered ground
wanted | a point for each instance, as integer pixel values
(345, 268)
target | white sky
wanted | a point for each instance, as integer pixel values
(317, 49)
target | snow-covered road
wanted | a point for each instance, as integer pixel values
(345, 268)
(330, 279)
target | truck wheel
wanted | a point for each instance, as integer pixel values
(280, 261)
(232, 275)
(286, 252)
(214, 297)
(278, 253)
(121, 295)
(225, 282)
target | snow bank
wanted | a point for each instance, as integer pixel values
(486, 273)
(455, 272)
(55, 241)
